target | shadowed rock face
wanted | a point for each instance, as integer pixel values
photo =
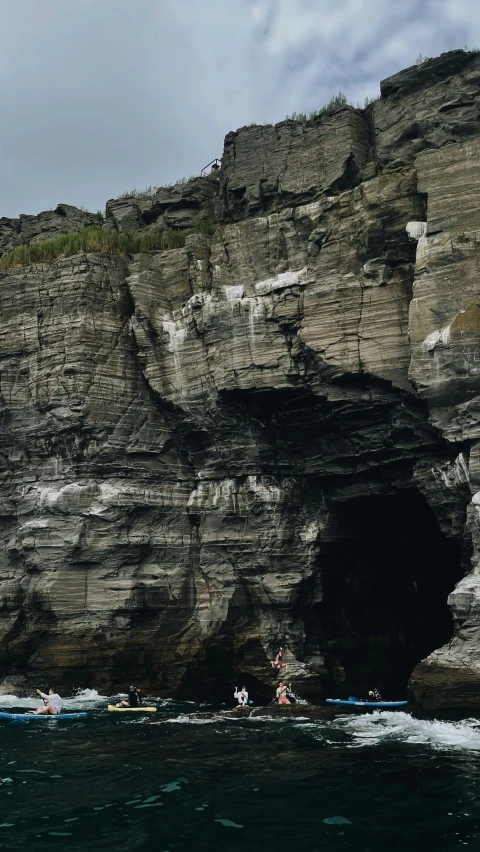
(180, 207)
(268, 437)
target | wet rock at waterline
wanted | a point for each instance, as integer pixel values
(268, 437)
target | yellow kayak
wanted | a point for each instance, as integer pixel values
(114, 708)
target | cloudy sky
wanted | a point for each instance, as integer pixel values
(102, 96)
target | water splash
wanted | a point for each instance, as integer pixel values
(383, 727)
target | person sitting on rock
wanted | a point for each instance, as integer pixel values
(52, 703)
(278, 663)
(242, 696)
(282, 693)
(134, 699)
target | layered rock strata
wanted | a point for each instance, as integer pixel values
(46, 226)
(268, 437)
(181, 207)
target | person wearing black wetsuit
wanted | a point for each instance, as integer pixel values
(134, 699)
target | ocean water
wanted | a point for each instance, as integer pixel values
(170, 783)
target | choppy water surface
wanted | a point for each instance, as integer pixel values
(169, 784)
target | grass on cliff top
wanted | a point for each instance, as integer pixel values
(335, 102)
(97, 240)
(150, 191)
(421, 58)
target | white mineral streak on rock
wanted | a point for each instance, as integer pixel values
(176, 333)
(256, 320)
(461, 469)
(438, 336)
(309, 533)
(229, 495)
(234, 293)
(34, 524)
(54, 533)
(312, 210)
(70, 498)
(267, 491)
(416, 230)
(201, 302)
(223, 495)
(452, 475)
(285, 279)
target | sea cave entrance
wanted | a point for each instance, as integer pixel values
(386, 579)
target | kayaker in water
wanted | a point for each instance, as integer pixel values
(282, 693)
(134, 699)
(242, 696)
(374, 695)
(52, 703)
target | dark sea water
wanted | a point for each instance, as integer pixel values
(170, 784)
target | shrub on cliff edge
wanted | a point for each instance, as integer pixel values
(93, 240)
(97, 240)
(335, 102)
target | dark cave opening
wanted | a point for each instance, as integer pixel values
(386, 580)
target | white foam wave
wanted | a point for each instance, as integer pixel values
(184, 719)
(382, 727)
(227, 716)
(87, 700)
(9, 701)
(84, 697)
(278, 719)
(89, 697)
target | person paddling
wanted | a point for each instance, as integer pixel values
(282, 693)
(242, 696)
(134, 699)
(52, 703)
(374, 695)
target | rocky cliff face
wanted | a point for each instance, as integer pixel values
(32, 229)
(268, 437)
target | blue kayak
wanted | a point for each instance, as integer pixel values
(24, 716)
(356, 702)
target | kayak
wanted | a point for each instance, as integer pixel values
(356, 702)
(25, 716)
(113, 709)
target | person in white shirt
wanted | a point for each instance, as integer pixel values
(374, 695)
(52, 703)
(242, 696)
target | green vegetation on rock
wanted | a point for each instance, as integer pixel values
(150, 191)
(335, 102)
(97, 240)
(204, 226)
